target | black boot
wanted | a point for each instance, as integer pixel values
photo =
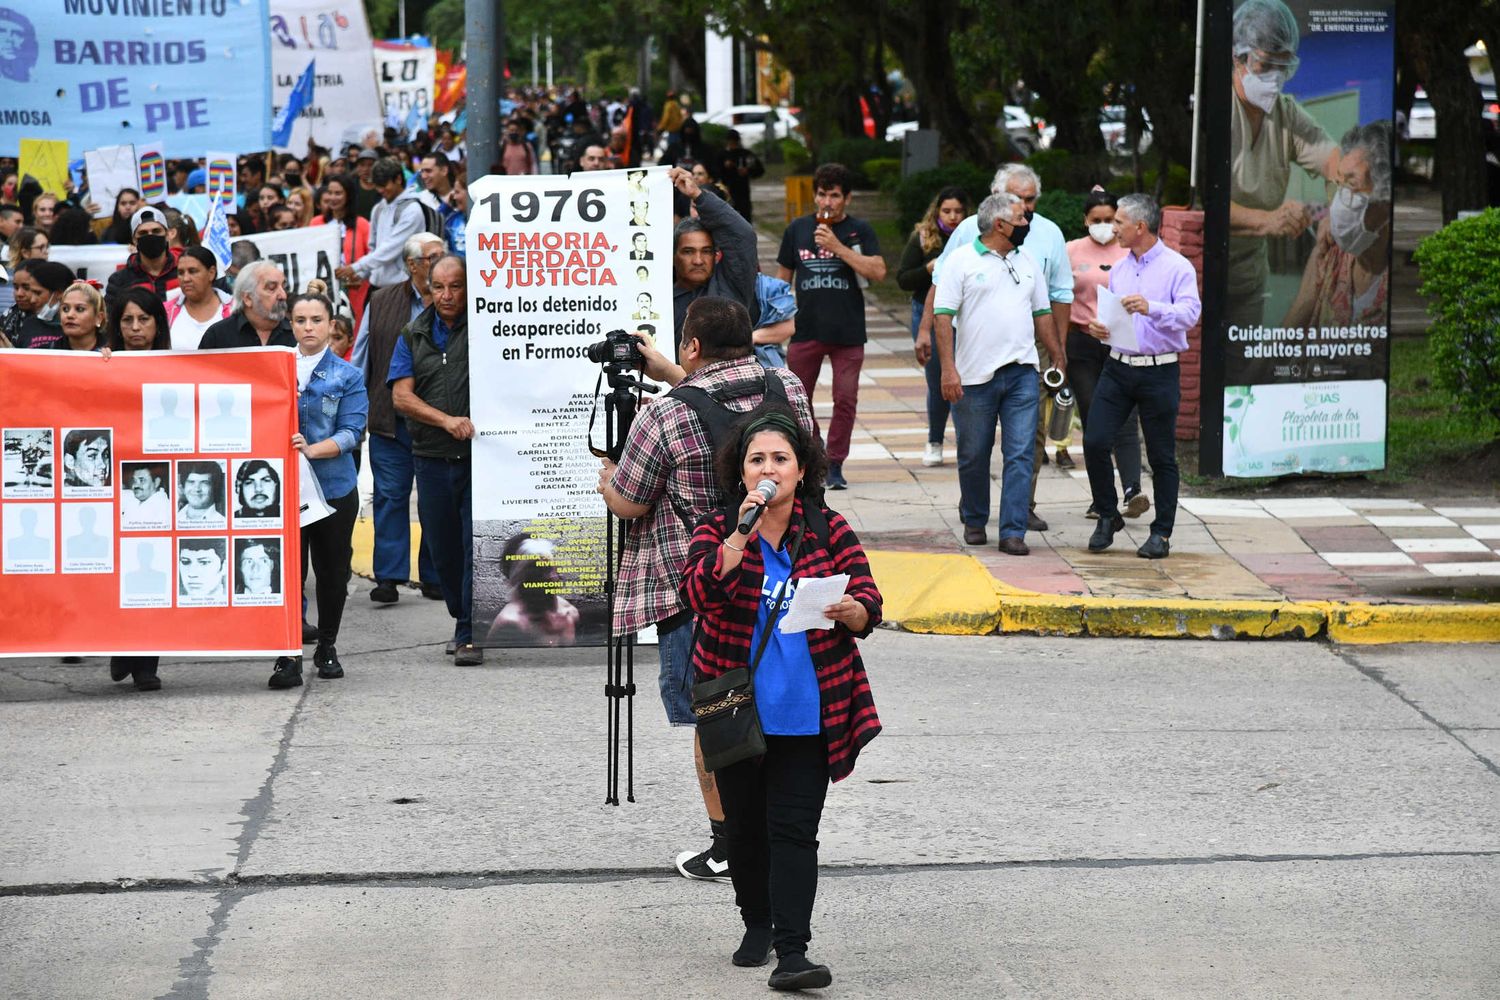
(288, 673)
(1104, 532)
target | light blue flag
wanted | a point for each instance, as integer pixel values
(416, 120)
(300, 97)
(216, 234)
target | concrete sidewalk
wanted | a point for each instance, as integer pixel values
(1386, 568)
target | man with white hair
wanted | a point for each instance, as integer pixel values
(259, 316)
(1047, 246)
(1159, 288)
(389, 310)
(997, 294)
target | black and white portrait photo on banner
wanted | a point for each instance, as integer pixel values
(257, 493)
(88, 470)
(200, 495)
(145, 496)
(202, 572)
(257, 571)
(27, 467)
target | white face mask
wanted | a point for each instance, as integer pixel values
(1262, 89)
(1102, 233)
(1346, 221)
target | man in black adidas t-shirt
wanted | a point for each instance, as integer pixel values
(828, 258)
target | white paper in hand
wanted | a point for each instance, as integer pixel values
(313, 506)
(1120, 323)
(812, 595)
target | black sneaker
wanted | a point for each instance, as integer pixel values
(288, 673)
(754, 950)
(836, 480)
(385, 593)
(432, 592)
(710, 866)
(795, 972)
(309, 633)
(326, 656)
(147, 682)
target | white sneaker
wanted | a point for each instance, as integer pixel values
(934, 454)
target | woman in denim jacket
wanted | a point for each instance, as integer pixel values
(331, 410)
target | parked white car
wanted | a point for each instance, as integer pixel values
(749, 121)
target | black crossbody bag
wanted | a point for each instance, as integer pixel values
(728, 721)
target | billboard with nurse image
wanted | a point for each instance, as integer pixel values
(1307, 307)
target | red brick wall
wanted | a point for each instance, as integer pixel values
(1182, 230)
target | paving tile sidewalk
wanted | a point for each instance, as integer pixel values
(1378, 550)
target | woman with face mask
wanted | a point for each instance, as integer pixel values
(32, 322)
(1093, 257)
(1269, 133)
(1347, 279)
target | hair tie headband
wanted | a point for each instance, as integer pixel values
(772, 421)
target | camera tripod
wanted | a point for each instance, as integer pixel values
(620, 405)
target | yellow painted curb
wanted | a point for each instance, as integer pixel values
(953, 594)
(1370, 624)
(363, 563)
(943, 594)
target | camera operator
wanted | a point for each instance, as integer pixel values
(429, 380)
(664, 483)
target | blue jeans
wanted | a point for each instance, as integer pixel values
(1011, 396)
(675, 650)
(445, 508)
(1156, 392)
(391, 466)
(937, 407)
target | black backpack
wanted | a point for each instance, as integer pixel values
(719, 420)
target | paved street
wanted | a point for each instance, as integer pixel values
(1041, 818)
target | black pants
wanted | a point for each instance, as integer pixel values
(139, 666)
(328, 543)
(772, 806)
(1154, 390)
(1086, 357)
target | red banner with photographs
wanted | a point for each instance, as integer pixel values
(149, 503)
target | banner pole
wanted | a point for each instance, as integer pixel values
(485, 37)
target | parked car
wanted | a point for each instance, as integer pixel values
(749, 120)
(1112, 128)
(1422, 122)
(1026, 133)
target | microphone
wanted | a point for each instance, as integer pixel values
(765, 488)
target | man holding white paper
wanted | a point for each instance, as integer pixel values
(1157, 289)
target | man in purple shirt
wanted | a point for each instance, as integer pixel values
(1159, 288)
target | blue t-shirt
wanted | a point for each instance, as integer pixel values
(401, 363)
(786, 683)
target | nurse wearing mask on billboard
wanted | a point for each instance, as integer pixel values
(1348, 275)
(1269, 133)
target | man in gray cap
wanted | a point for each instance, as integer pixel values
(152, 262)
(369, 195)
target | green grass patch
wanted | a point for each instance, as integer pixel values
(1427, 431)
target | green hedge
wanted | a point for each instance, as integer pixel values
(915, 193)
(1064, 208)
(855, 153)
(798, 159)
(1463, 298)
(884, 173)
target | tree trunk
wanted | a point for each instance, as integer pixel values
(919, 34)
(1438, 38)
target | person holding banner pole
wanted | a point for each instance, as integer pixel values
(429, 380)
(390, 310)
(331, 410)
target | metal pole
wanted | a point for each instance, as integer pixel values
(533, 61)
(549, 62)
(401, 20)
(484, 24)
(1197, 110)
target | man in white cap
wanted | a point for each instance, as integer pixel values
(152, 262)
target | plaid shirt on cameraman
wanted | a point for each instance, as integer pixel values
(667, 464)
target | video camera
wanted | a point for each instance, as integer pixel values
(618, 350)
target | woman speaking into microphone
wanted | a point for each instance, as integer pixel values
(808, 688)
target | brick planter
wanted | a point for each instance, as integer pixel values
(1182, 230)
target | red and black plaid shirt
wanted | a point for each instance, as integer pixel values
(667, 464)
(727, 610)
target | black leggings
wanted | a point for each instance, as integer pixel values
(1086, 357)
(772, 806)
(328, 543)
